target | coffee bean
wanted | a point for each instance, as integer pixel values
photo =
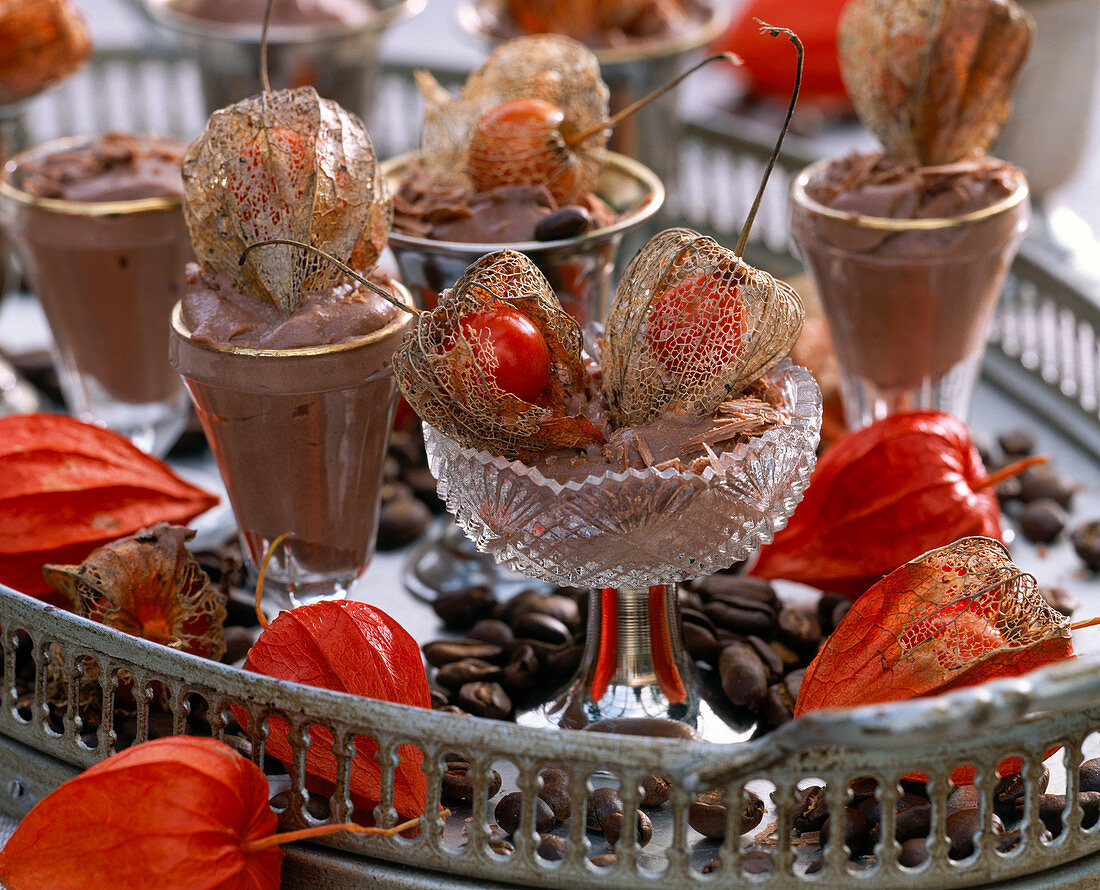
(604, 860)
(522, 670)
(551, 848)
(860, 789)
(914, 852)
(738, 585)
(507, 610)
(458, 673)
(743, 677)
(557, 798)
(654, 791)
(689, 599)
(786, 654)
(439, 696)
(825, 606)
(492, 630)
(423, 484)
(1086, 543)
(602, 803)
(914, 821)
(556, 606)
(1016, 443)
(872, 807)
(1042, 520)
(451, 709)
(565, 222)
(456, 786)
(760, 622)
(509, 811)
(756, 862)
(1060, 599)
(857, 832)
(564, 661)
(1011, 789)
(241, 744)
(778, 706)
(613, 828)
(441, 652)
(773, 664)
(707, 814)
(711, 867)
(401, 520)
(793, 682)
(961, 828)
(701, 643)
(1044, 482)
(839, 611)
(238, 640)
(485, 699)
(798, 629)
(538, 626)
(501, 847)
(1008, 492)
(1051, 807)
(1089, 774)
(463, 608)
(813, 810)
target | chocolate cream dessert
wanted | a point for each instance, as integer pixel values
(908, 304)
(98, 228)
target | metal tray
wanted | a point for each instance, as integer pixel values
(1041, 371)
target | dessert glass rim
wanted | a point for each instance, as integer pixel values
(471, 18)
(809, 417)
(12, 192)
(400, 320)
(894, 224)
(382, 14)
(654, 199)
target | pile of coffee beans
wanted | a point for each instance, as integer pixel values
(408, 495)
(1041, 499)
(514, 651)
(755, 645)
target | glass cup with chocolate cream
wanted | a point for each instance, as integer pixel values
(97, 227)
(299, 432)
(909, 266)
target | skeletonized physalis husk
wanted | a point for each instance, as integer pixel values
(285, 164)
(932, 79)
(691, 325)
(555, 69)
(439, 374)
(148, 585)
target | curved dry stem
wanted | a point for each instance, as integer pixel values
(343, 267)
(578, 138)
(264, 81)
(260, 616)
(772, 31)
(286, 837)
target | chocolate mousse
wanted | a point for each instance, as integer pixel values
(98, 229)
(283, 12)
(428, 207)
(909, 303)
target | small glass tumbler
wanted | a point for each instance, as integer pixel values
(107, 274)
(908, 301)
(299, 436)
(580, 269)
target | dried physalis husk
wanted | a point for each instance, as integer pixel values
(453, 378)
(932, 79)
(691, 324)
(514, 118)
(148, 585)
(285, 164)
(41, 41)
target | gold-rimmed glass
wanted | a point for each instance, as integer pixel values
(299, 437)
(908, 301)
(107, 274)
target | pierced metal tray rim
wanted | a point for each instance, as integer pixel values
(958, 714)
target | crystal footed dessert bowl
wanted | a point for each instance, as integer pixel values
(638, 527)
(634, 534)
